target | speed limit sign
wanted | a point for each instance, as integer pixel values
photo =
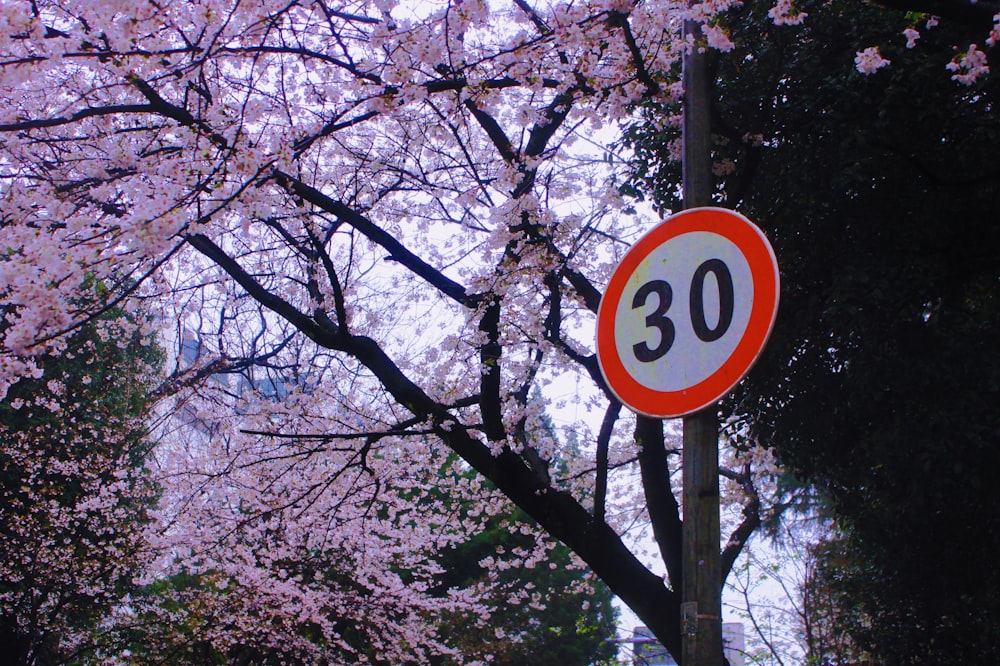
(687, 312)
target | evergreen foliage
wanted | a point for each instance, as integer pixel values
(74, 493)
(881, 383)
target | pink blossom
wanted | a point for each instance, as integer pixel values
(994, 37)
(717, 38)
(869, 60)
(969, 66)
(785, 13)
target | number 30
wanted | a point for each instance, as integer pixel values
(696, 303)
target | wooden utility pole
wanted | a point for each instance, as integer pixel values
(702, 585)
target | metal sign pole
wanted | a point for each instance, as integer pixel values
(702, 584)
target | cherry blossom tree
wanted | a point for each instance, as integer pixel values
(312, 549)
(398, 188)
(402, 211)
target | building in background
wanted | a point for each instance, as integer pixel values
(647, 651)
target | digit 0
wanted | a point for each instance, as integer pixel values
(724, 283)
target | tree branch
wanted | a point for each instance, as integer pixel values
(750, 522)
(620, 20)
(664, 510)
(89, 112)
(261, 294)
(490, 403)
(603, 443)
(180, 114)
(397, 251)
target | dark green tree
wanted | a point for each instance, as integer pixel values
(552, 612)
(881, 383)
(548, 607)
(74, 492)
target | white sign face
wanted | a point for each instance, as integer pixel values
(687, 304)
(687, 312)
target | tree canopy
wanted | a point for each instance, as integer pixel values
(395, 188)
(407, 213)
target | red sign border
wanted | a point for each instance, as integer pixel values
(764, 271)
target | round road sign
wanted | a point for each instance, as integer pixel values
(687, 312)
